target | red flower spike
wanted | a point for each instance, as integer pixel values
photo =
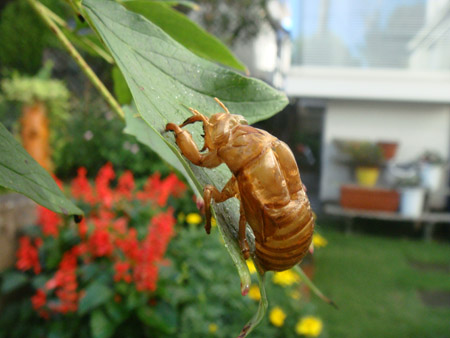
(100, 243)
(65, 284)
(49, 221)
(104, 177)
(125, 186)
(122, 270)
(39, 299)
(27, 256)
(81, 188)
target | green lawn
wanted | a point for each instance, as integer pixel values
(377, 288)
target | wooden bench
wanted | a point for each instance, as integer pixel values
(427, 219)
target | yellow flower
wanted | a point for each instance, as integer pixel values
(213, 222)
(193, 218)
(277, 316)
(251, 266)
(254, 292)
(286, 278)
(295, 294)
(212, 328)
(319, 241)
(309, 326)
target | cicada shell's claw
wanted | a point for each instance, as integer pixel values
(196, 117)
(173, 127)
(192, 119)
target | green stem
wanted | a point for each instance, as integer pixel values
(313, 288)
(42, 11)
(262, 308)
(63, 24)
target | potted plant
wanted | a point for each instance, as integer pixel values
(41, 98)
(412, 196)
(366, 157)
(389, 149)
(431, 170)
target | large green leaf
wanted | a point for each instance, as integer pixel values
(185, 31)
(21, 173)
(165, 78)
(96, 294)
(12, 280)
(101, 325)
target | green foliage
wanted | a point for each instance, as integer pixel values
(97, 278)
(432, 157)
(206, 291)
(186, 32)
(121, 90)
(93, 136)
(21, 173)
(23, 36)
(361, 153)
(233, 20)
(38, 88)
(165, 79)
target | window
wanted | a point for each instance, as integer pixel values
(396, 34)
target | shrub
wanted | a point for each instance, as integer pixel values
(96, 275)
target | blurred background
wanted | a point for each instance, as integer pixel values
(368, 121)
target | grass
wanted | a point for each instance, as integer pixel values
(377, 288)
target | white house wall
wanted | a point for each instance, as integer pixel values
(417, 127)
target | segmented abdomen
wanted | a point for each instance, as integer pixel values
(290, 242)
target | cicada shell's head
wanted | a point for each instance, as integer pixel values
(219, 127)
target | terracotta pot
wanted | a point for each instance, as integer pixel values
(389, 149)
(35, 133)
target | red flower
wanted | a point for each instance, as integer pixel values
(27, 256)
(125, 186)
(104, 177)
(151, 188)
(81, 188)
(129, 245)
(122, 270)
(120, 225)
(159, 190)
(100, 243)
(177, 187)
(65, 284)
(160, 232)
(49, 221)
(145, 273)
(145, 276)
(82, 228)
(39, 299)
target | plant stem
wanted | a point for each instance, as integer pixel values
(313, 288)
(42, 11)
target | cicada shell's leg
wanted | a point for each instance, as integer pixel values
(242, 238)
(189, 149)
(288, 166)
(229, 190)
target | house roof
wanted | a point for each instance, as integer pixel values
(368, 84)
